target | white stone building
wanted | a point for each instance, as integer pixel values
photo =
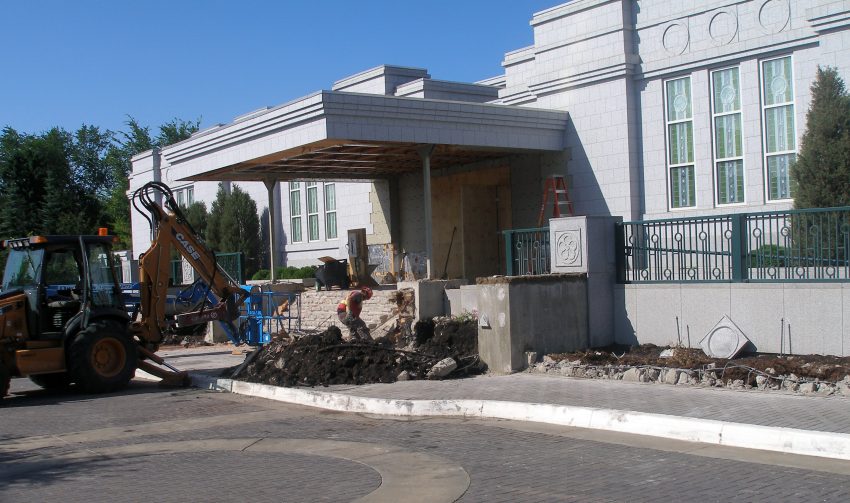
(650, 109)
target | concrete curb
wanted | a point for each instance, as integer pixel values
(709, 431)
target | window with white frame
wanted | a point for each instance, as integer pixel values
(295, 211)
(680, 143)
(330, 211)
(780, 143)
(728, 137)
(185, 196)
(312, 211)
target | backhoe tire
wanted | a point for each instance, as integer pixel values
(57, 381)
(102, 358)
(5, 380)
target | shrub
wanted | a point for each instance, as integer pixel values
(287, 273)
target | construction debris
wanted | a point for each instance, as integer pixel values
(433, 350)
(806, 374)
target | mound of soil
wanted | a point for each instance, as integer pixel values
(325, 359)
(746, 367)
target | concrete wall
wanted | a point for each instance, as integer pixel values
(546, 314)
(815, 316)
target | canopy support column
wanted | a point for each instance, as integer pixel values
(270, 184)
(425, 153)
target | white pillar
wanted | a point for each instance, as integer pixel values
(270, 184)
(425, 154)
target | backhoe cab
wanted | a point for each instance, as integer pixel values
(62, 315)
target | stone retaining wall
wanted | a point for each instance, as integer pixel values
(318, 309)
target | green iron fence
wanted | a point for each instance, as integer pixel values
(232, 263)
(527, 251)
(793, 245)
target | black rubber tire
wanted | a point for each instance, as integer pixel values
(57, 381)
(5, 380)
(102, 357)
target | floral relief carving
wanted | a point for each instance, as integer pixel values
(569, 248)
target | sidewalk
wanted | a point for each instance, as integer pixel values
(809, 425)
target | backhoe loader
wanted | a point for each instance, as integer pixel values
(63, 319)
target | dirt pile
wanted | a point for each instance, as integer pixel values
(325, 359)
(749, 370)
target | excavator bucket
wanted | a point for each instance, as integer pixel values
(217, 313)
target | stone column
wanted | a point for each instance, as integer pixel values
(586, 244)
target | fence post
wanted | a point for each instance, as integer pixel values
(740, 248)
(509, 255)
(620, 251)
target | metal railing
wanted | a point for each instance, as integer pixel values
(527, 251)
(793, 245)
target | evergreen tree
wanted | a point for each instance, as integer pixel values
(213, 230)
(233, 226)
(196, 216)
(822, 170)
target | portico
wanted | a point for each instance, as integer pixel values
(346, 136)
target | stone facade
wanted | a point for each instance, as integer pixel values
(607, 63)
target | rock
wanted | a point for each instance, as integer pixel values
(633, 375)
(772, 371)
(403, 376)
(790, 384)
(548, 360)
(737, 384)
(651, 375)
(442, 368)
(683, 377)
(531, 358)
(826, 389)
(793, 378)
(808, 387)
(279, 363)
(761, 382)
(711, 366)
(667, 353)
(843, 387)
(567, 371)
(670, 376)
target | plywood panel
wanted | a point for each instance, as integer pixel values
(446, 202)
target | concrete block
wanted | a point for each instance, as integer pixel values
(528, 314)
(469, 298)
(215, 333)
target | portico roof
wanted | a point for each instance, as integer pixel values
(334, 135)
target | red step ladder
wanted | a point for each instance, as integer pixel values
(557, 186)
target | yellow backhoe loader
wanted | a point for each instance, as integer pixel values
(63, 318)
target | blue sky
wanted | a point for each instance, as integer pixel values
(67, 63)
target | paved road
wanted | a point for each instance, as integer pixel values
(189, 445)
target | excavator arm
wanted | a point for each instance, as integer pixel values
(171, 231)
